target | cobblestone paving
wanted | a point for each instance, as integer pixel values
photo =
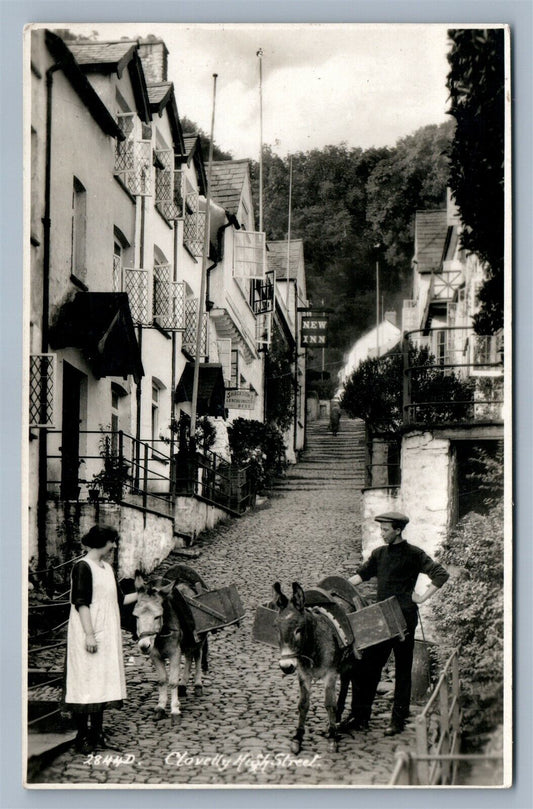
(238, 732)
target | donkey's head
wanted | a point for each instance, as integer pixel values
(293, 627)
(149, 611)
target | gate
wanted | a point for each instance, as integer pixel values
(438, 737)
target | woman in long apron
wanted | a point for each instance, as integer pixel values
(95, 667)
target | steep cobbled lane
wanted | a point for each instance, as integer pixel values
(239, 731)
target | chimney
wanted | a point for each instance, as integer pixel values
(154, 58)
(391, 317)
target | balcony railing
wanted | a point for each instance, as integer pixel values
(113, 466)
(462, 383)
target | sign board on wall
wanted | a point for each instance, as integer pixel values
(313, 330)
(240, 399)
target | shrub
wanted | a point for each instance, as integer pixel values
(260, 447)
(471, 615)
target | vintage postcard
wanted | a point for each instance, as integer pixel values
(268, 381)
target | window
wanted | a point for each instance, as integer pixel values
(78, 235)
(117, 393)
(194, 221)
(249, 257)
(235, 368)
(168, 194)
(117, 267)
(155, 414)
(133, 158)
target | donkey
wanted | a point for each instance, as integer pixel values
(310, 645)
(165, 628)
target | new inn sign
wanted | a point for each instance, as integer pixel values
(313, 330)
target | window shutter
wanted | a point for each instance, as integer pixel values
(224, 357)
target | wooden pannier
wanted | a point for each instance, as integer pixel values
(215, 609)
(370, 625)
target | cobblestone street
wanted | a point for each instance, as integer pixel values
(238, 732)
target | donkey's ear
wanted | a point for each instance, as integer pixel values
(298, 596)
(139, 581)
(280, 600)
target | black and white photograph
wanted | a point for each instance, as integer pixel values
(267, 414)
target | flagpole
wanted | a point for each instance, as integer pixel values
(205, 256)
(289, 237)
(260, 55)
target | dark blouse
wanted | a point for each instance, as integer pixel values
(81, 593)
(396, 568)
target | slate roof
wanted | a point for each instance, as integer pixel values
(431, 228)
(190, 141)
(112, 54)
(277, 258)
(227, 182)
(159, 94)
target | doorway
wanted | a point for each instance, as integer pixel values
(73, 380)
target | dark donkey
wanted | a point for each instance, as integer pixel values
(165, 629)
(310, 644)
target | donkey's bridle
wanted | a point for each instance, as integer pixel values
(298, 656)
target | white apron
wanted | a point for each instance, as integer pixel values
(96, 677)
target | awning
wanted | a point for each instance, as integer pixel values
(211, 390)
(100, 325)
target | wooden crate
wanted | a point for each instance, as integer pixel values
(379, 622)
(371, 625)
(265, 629)
(215, 609)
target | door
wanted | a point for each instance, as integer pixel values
(70, 439)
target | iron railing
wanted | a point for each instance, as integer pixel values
(114, 466)
(438, 737)
(470, 367)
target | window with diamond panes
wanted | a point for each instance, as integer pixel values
(189, 335)
(194, 221)
(136, 285)
(249, 254)
(117, 268)
(133, 158)
(42, 380)
(168, 194)
(168, 299)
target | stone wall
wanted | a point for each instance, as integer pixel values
(192, 516)
(140, 545)
(376, 501)
(426, 490)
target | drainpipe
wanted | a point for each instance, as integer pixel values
(43, 433)
(138, 388)
(174, 343)
(295, 442)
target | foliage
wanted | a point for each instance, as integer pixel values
(374, 391)
(190, 127)
(114, 475)
(471, 615)
(477, 96)
(260, 447)
(205, 433)
(279, 375)
(343, 201)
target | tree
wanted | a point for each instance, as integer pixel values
(476, 85)
(374, 391)
(189, 127)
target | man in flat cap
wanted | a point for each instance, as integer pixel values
(396, 565)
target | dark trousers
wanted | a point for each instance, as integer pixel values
(367, 674)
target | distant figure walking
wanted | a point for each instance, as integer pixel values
(335, 418)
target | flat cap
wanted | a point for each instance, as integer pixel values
(392, 516)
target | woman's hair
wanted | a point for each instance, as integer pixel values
(99, 535)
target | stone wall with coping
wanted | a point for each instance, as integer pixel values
(141, 546)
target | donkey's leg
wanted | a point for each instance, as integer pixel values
(303, 708)
(173, 680)
(331, 707)
(198, 689)
(343, 693)
(161, 672)
(185, 674)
